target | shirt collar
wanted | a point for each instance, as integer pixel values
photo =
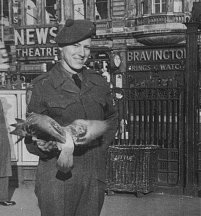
(60, 75)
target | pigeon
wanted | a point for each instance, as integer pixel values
(43, 127)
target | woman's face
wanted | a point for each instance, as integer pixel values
(74, 56)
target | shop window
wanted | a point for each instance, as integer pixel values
(79, 9)
(178, 5)
(33, 12)
(144, 7)
(102, 9)
(131, 8)
(4, 11)
(159, 6)
(50, 9)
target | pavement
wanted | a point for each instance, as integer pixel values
(118, 204)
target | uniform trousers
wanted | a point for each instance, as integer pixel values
(73, 194)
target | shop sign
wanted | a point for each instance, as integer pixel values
(102, 42)
(29, 68)
(158, 59)
(36, 43)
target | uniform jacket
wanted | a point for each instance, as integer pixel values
(56, 95)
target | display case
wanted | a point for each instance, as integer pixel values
(23, 163)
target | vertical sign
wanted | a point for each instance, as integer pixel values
(15, 11)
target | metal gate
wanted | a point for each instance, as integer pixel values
(152, 117)
(151, 107)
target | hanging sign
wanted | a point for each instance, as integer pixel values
(36, 43)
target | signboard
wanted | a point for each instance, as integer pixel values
(36, 43)
(30, 68)
(156, 59)
(15, 11)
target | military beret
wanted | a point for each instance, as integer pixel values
(74, 31)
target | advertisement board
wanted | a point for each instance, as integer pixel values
(36, 43)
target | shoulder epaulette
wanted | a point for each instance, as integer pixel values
(40, 77)
(37, 79)
(96, 77)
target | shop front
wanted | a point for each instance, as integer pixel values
(150, 96)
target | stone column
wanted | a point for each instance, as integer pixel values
(90, 9)
(40, 8)
(67, 8)
(190, 147)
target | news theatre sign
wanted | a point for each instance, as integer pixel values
(36, 43)
(156, 59)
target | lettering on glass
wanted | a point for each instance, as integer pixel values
(156, 59)
(156, 55)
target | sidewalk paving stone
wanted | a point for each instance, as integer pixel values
(119, 204)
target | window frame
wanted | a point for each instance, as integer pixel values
(108, 10)
(182, 6)
(84, 9)
(161, 3)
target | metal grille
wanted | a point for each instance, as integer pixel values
(150, 130)
(148, 116)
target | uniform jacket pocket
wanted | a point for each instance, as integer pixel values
(59, 102)
(99, 99)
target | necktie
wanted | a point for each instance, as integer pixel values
(76, 80)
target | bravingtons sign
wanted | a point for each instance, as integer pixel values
(156, 59)
(36, 43)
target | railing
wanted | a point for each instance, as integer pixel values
(148, 116)
(157, 19)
